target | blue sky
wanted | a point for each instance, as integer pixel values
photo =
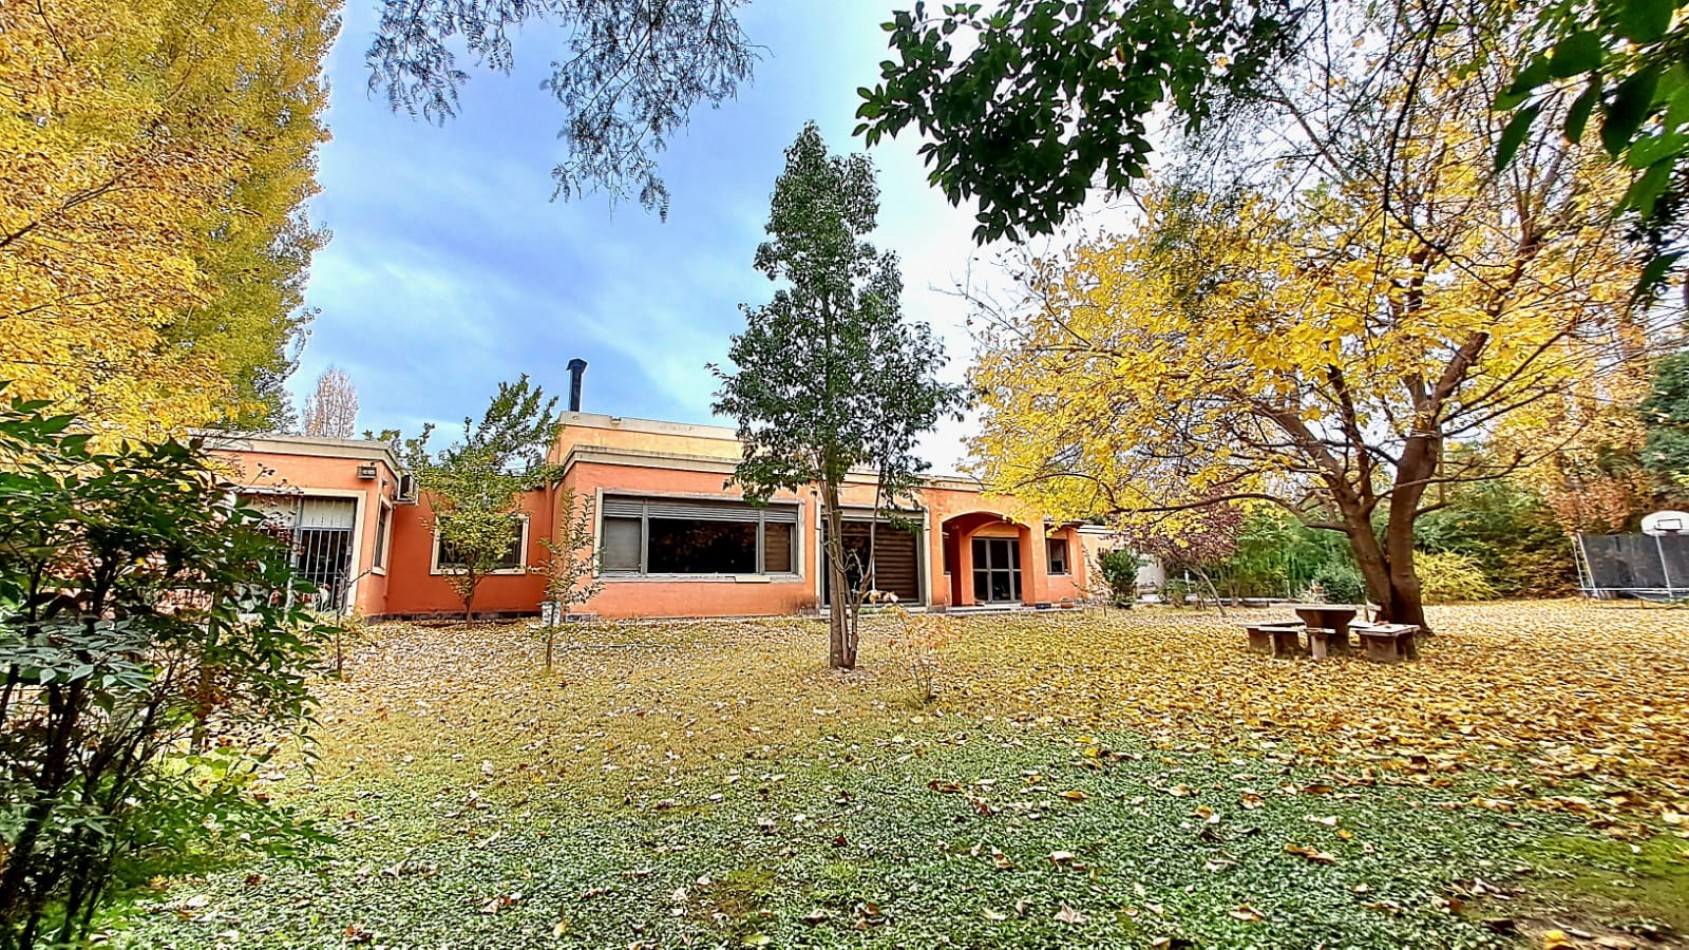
(451, 269)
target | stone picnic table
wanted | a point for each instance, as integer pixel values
(1333, 617)
(1328, 628)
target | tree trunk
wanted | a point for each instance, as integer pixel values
(841, 653)
(1391, 582)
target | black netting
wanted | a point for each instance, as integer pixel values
(1637, 562)
(1674, 551)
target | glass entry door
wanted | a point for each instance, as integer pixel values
(996, 570)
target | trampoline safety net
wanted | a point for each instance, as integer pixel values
(1633, 565)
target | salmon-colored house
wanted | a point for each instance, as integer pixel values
(674, 538)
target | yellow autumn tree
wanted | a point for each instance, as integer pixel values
(1367, 294)
(154, 159)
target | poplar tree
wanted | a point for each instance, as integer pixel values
(830, 378)
(155, 159)
(332, 410)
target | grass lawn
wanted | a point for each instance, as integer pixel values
(1132, 779)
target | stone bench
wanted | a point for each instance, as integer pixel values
(1388, 642)
(1323, 641)
(1275, 639)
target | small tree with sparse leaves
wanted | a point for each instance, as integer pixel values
(473, 486)
(571, 565)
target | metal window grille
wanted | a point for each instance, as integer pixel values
(319, 536)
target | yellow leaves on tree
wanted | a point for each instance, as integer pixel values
(154, 157)
(1321, 335)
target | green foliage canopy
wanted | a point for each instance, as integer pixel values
(829, 377)
(1054, 96)
(144, 611)
(1620, 68)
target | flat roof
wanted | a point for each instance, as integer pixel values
(596, 420)
(279, 444)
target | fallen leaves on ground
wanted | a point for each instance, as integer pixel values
(1569, 689)
(1575, 689)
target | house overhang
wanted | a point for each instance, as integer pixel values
(718, 465)
(306, 446)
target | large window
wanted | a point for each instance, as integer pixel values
(660, 536)
(514, 559)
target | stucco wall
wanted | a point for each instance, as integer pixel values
(704, 595)
(289, 473)
(416, 590)
(640, 457)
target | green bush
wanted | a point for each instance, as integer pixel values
(155, 647)
(1447, 577)
(1277, 555)
(1509, 533)
(1341, 580)
(1120, 570)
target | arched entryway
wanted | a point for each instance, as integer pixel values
(990, 559)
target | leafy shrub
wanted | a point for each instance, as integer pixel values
(1176, 591)
(155, 643)
(1277, 555)
(1341, 581)
(1450, 577)
(1509, 531)
(1120, 570)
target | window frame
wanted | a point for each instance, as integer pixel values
(524, 520)
(383, 552)
(1066, 557)
(761, 523)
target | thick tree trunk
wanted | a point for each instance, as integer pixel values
(1391, 581)
(1407, 605)
(841, 652)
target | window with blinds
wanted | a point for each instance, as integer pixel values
(670, 536)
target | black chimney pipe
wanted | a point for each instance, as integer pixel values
(577, 368)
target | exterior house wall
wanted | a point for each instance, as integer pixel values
(723, 595)
(609, 455)
(604, 455)
(324, 468)
(1070, 587)
(424, 591)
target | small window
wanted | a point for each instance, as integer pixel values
(383, 525)
(621, 544)
(1058, 555)
(513, 559)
